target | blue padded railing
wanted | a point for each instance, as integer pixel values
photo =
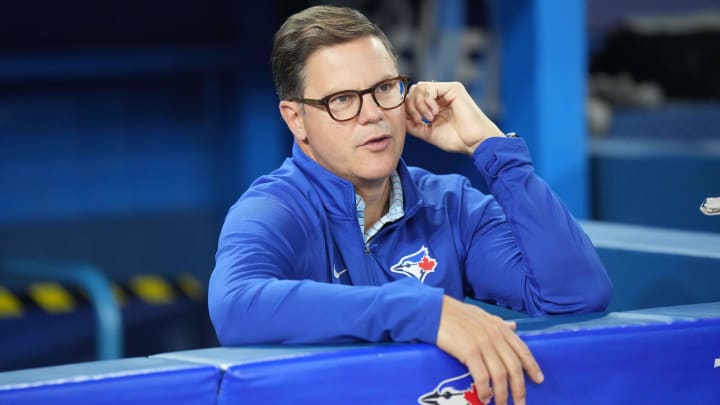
(658, 355)
(652, 356)
(91, 280)
(136, 380)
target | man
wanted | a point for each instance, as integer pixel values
(344, 242)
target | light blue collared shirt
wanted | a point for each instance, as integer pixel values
(394, 213)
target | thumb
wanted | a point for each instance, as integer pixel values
(421, 130)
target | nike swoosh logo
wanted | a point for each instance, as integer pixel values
(336, 273)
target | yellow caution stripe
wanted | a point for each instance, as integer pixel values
(191, 286)
(152, 289)
(10, 306)
(55, 298)
(52, 297)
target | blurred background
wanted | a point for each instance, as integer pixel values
(128, 128)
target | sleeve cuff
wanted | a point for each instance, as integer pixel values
(496, 154)
(414, 311)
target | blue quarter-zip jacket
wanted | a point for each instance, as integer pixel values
(292, 266)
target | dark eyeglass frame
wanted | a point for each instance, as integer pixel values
(325, 101)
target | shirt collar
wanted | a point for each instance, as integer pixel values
(395, 208)
(338, 195)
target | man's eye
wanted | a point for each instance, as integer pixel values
(342, 99)
(384, 87)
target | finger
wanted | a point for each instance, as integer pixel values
(417, 118)
(431, 96)
(529, 364)
(411, 104)
(498, 375)
(426, 103)
(481, 378)
(416, 127)
(511, 324)
(417, 130)
(412, 95)
(422, 120)
(420, 105)
(514, 371)
(415, 101)
(432, 105)
(428, 107)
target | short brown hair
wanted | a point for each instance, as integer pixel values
(305, 32)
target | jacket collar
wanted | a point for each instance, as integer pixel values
(338, 194)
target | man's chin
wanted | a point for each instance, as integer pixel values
(377, 174)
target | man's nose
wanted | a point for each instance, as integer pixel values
(370, 111)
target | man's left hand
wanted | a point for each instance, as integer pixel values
(454, 122)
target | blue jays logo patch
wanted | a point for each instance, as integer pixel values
(418, 264)
(458, 390)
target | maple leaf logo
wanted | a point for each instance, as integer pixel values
(471, 396)
(418, 264)
(427, 264)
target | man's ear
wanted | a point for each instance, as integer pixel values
(292, 114)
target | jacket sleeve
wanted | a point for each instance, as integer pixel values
(257, 294)
(525, 251)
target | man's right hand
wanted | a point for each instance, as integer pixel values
(490, 349)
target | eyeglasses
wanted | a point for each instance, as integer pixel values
(346, 105)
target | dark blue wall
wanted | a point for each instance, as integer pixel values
(121, 125)
(127, 129)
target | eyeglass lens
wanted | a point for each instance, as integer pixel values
(387, 94)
